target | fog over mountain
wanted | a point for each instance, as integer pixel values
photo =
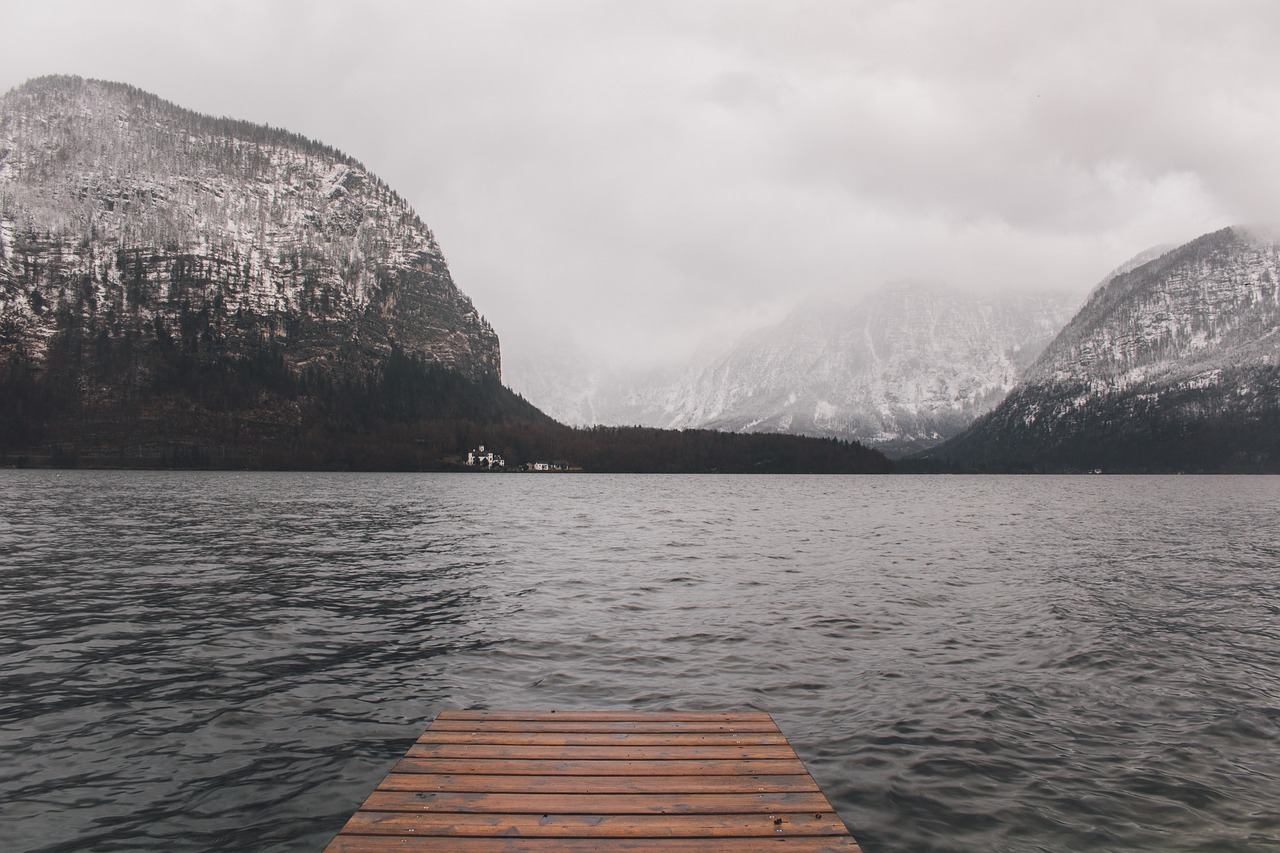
(624, 182)
(178, 290)
(905, 368)
(1171, 365)
(630, 178)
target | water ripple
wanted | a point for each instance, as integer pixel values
(232, 661)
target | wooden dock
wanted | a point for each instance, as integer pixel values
(597, 780)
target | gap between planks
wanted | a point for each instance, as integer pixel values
(529, 780)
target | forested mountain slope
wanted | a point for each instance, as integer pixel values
(161, 269)
(181, 290)
(1171, 366)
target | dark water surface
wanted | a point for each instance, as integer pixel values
(233, 661)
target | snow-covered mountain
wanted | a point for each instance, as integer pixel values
(1172, 365)
(909, 366)
(180, 289)
(123, 216)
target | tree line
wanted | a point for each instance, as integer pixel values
(164, 396)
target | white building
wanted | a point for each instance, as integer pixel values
(479, 458)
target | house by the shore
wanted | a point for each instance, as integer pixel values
(487, 459)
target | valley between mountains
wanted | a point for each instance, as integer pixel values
(182, 290)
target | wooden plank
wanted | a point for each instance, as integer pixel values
(605, 739)
(412, 844)
(586, 726)
(597, 784)
(600, 767)
(488, 781)
(597, 826)
(734, 752)
(613, 716)
(382, 800)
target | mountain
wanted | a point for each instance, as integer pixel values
(1173, 365)
(161, 269)
(184, 291)
(904, 369)
(131, 210)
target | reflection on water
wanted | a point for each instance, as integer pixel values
(196, 661)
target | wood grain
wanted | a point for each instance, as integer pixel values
(621, 752)
(413, 844)
(488, 781)
(528, 803)
(434, 735)
(603, 727)
(599, 767)
(597, 826)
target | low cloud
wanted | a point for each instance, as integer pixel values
(632, 176)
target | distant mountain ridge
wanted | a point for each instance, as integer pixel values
(184, 291)
(1173, 365)
(906, 368)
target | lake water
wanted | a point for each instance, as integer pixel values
(196, 661)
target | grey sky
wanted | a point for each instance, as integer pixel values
(636, 175)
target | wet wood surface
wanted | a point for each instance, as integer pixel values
(597, 780)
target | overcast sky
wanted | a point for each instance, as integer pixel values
(634, 175)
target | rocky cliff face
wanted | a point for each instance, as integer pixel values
(127, 223)
(1172, 365)
(908, 367)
